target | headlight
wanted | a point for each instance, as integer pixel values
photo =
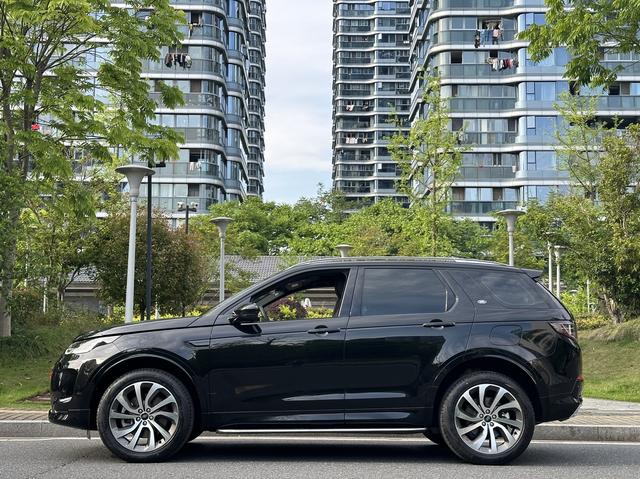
(80, 347)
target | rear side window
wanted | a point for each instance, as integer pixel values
(511, 289)
(402, 291)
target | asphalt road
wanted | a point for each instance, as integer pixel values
(314, 457)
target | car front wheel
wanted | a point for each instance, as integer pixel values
(487, 418)
(146, 415)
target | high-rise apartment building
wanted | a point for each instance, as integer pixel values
(370, 93)
(500, 101)
(220, 69)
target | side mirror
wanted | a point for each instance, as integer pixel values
(249, 313)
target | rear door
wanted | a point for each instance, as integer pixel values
(406, 322)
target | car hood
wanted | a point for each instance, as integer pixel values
(142, 327)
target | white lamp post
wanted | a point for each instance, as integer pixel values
(550, 266)
(344, 249)
(134, 174)
(222, 223)
(511, 216)
(558, 251)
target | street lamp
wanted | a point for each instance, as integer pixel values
(193, 206)
(222, 223)
(510, 217)
(134, 174)
(557, 251)
(344, 249)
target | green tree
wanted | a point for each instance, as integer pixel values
(583, 28)
(430, 157)
(180, 268)
(47, 100)
(580, 141)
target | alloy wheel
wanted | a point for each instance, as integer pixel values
(144, 416)
(489, 419)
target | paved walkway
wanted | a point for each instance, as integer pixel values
(596, 412)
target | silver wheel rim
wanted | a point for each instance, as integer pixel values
(143, 417)
(489, 419)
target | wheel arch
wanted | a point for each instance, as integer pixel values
(143, 361)
(494, 363)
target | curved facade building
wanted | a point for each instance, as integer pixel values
(500, 101)
(370, 87)
(219, 68)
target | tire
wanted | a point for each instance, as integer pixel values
(489, 438)
(434, 435)
(195, 433)
(132, 432)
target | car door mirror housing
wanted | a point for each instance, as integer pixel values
(249, 313)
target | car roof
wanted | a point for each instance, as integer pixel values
(399, 260)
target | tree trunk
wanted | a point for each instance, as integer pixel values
(8, 265)
(616, 315)
(143, 310)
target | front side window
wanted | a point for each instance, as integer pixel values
(311, 295)
(402, 291)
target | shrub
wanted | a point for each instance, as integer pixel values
(586, 323)
(628, 331)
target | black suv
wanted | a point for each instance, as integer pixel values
(473, 354)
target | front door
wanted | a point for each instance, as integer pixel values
(406, 323)
(284, 369)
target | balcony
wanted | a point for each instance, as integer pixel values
(199, 135)
(191, 170)
(542, 175)
(484, 208)
(471, 173)
(170, 205)
(481, 104)
(481, 139)
(197, 66)
(201, 32)
(197, 100)
(221, 4)
(467, 37)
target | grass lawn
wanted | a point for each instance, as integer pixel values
(24, 379)
(611, 369)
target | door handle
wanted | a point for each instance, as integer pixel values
(438, 323)
(323, 330)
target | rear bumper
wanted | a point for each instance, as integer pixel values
(562, 407)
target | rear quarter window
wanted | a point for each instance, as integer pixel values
(512, 289)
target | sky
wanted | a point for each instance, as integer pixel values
(298, 99)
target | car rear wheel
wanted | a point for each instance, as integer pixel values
(487, 418)
(146, 415)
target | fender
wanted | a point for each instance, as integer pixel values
(488, 354)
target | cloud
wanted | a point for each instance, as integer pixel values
(298, 98)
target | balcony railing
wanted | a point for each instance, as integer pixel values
(481, 104)
(485, 172)
(479, 207)
(200, 169)
(209, 100)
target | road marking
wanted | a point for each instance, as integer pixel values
(227, 438)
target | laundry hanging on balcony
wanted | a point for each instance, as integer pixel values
(498, 64)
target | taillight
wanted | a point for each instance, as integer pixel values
(566, 328)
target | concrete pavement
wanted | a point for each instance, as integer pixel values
(597, 420)
(314, 457)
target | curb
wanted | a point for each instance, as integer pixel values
(580, 432)
(548, 432)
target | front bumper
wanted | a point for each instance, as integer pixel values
(76, 418)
